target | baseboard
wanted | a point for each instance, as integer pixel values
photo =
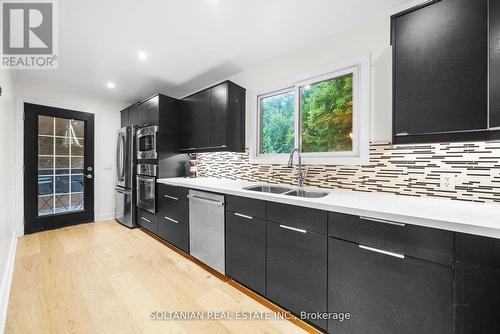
(104, 217)
(7, 282)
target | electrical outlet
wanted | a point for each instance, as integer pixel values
(448, 181)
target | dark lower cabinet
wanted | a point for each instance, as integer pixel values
(174, 232)
(246, 250)
(386, 294)
(147, 220)
(477, 284)
(297, 270)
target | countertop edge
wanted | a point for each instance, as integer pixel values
(310, 203)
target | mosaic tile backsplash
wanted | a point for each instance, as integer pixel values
(410, 170)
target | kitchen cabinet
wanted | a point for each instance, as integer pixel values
(173, 216)
(477, 288)
(214, 119)
(148, 221)
(148, 112)
(246, 250)
(124, 117)
(494, 19)
(387, 294)
(297, 269)
(420, 242)
(195, 119)
(440, 65)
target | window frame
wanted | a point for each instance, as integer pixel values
(360, 69)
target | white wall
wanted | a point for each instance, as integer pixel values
(370, 37)
(7, 230)
(107, 122)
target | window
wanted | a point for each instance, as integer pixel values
(325, 117)
(277, 129)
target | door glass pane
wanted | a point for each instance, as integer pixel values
(61, 184)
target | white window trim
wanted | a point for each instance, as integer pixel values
(360, 67)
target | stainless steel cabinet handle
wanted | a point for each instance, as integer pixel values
(203, 148)
(172, 220)
(242, 215)
(171, 197)
(383, 221)
(213, 201)
(293, 229)
(376, 250)
(149, 221)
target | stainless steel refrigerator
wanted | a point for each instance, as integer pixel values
(125, 194)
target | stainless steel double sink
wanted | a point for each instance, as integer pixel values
(275, 189)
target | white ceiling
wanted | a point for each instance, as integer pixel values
(190, 43)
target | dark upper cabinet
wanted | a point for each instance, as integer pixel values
(218, 110)
(494, 8)
(195, 120)
(246, 250)
(148, 112)
(214, 119)
(297, 270)
(133, 116)
(124, 117)
(477, 287)
(386, 294)
(440, 65)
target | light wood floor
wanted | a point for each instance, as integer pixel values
(105, 278)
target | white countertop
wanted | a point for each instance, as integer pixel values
(467, 217)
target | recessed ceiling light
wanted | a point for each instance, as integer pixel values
(142, 55)
(110, 85)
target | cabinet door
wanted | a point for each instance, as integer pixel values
(246, 250)
(148, 112)
(124, 114)
(296, 270)
(440, 68)
(197, 120)
(133, 115)
(218, 110)
(387, 294)
(477, 279)
(494, 8)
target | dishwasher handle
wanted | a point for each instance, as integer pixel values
(209, 200)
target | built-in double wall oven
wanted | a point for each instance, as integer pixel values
(146, 143)
(146, 187)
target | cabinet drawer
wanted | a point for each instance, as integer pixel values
(477, 249)
(298, 217)
(297, 270)
(172, 192)
(420, 242)
(175, 233)
(148, 221)
(247, 206)
(386, 294)
(174, 209)
(246, 251)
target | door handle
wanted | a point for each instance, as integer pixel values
(172, 220)
(293, 229)
(171, 197)
(149, 221)
(376, 250)
(242, 215)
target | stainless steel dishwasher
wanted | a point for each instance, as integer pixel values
(206, 228)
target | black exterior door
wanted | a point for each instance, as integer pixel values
(58, 167)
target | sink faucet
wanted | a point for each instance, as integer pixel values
(301, 176)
